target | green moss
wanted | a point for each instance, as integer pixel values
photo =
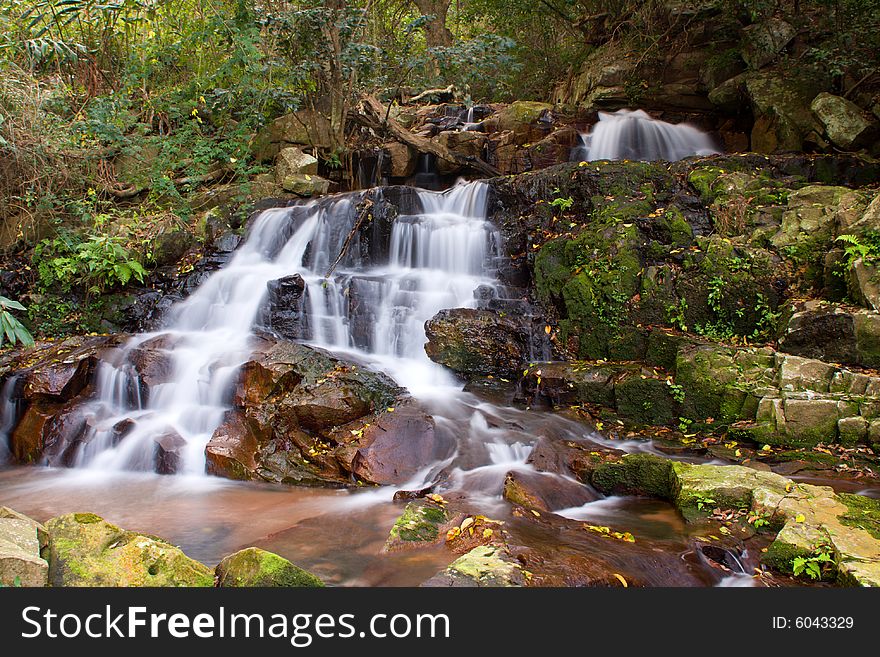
(420, 522)
(780, 555)
(702, 180)
(863, 512)
(635, 474)
(253, 567)
(646, 400)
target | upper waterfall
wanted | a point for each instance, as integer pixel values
(635, 135)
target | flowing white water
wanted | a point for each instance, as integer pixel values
(437, 258)
(634, 135)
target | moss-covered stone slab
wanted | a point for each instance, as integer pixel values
(253, 567)
(86, 550)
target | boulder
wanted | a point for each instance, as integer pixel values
(863, 283)
(833, 333)
(292, 161)
(167, 454)
(304, 184)
(302, 127)
(781, 106)
(20, 561)
(403, 159)
(477, 342)
(300, 416)
(86, 550)
(253, 567)
(763, 41)
(845, 123)
(529, 121)
(483, 566)
(545, 491)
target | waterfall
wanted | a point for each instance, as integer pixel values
(634, 135)
(376, 306)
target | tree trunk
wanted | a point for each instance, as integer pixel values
(436, 32)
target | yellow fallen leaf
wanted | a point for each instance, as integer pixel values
(487, 533)
(467, 522)
(622, 580)
(536, 514)
(800, 517)
(766, 448)
(547, 329)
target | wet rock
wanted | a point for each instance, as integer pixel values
(396, 446)
(845, 123)
(292, 161)
(545, 492)
(20, 561)
(762, 42)
(28, 439)
(85, 550)
(635, 474)
(528, 120)
(484, 566)
(301, 416)
(813, 214)
(58, 370)
(421, 523)
(253, 567)
(282, 310)
(569, 458)
(234, 447)
(153, 360)
(167, 454)
(480, 342)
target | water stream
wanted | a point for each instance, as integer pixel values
(372, 307)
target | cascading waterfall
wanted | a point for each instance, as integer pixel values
(437, 258)
(634, 135)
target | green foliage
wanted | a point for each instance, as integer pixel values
(11, 330)
(675, 314)
(676, 391)
(562, 204)
(98, 262)
(865, 247)
(704, 502)
(814, 567)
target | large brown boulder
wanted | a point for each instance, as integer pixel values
(301, 416)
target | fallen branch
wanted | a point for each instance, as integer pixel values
(373, 117)
(428, 92)
(362, 216)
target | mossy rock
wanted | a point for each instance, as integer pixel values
(645, 399)
(484, 566)
(86, 550)
(419, 524)
(862, 512)
(635, 474)
(253, 567)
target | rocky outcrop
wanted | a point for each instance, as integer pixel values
(253, 567)
(833, 333)
(301, 416)
(86, 550)
(484, 566)
(810, 520)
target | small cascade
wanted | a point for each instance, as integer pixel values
(635, 135)
(10, 411)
